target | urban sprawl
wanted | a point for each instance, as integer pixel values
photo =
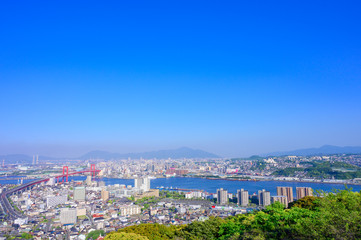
(48, 203)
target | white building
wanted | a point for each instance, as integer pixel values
(142, 183)
(79, 194)
(195, 194)
(242, 197)
(129, 210)
(51, 182)
(68, 215)
(222, 196)
(88, 180)
(52, 201)
(21, 221)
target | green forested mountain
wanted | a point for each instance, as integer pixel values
(337, 170)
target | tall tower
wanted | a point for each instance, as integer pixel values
(222, 196)
(142, 183)
(92, 169)
(286, 191)
(37, 159)
(264, 198)
(303, 192)
(242, 197)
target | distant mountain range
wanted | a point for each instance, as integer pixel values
(178, 153)
(183, 152)
(324, 150)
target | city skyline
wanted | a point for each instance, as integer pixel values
(233, 79)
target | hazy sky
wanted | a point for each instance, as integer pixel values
(228, 77)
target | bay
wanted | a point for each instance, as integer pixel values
(211, 186)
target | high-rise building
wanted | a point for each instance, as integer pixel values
(105, 195)
(264, 198)
(51, 182)
(281, 199)
(142, 183)
(222, 196)
(79, 194)
(89, 180)
(68, 215)
(286, 191)
(303, 192)
(242, 197)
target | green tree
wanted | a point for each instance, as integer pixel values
(125, 236)
(335, 216)
(95, 234)
(339, 217)
(208, 229)
(26, 236)
(151, 231)
(309, 202)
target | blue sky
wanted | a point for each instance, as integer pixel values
(227, 77)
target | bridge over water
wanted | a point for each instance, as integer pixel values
(4, 196)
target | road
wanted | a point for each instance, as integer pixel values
(48, 225)
(8, 209)
(4, 201)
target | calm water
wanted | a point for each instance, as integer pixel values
(212, 185)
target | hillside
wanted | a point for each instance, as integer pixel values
(328, 170)
(336, 216)
(324, 150)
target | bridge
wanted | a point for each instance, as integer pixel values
(12, 213)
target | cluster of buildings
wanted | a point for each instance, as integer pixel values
(256, 168)
(79, 207)
(74, 209)
(284, 196)
(253, 168)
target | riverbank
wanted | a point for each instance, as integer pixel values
(328, 181)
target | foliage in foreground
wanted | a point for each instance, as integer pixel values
(124, 236)
(336, 216)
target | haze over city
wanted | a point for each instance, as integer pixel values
(233, 81)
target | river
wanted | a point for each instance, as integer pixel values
(211, 186)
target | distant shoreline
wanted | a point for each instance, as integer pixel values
(275, 180)
(208, 178)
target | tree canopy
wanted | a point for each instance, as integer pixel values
(335, 216)
(124, 236)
